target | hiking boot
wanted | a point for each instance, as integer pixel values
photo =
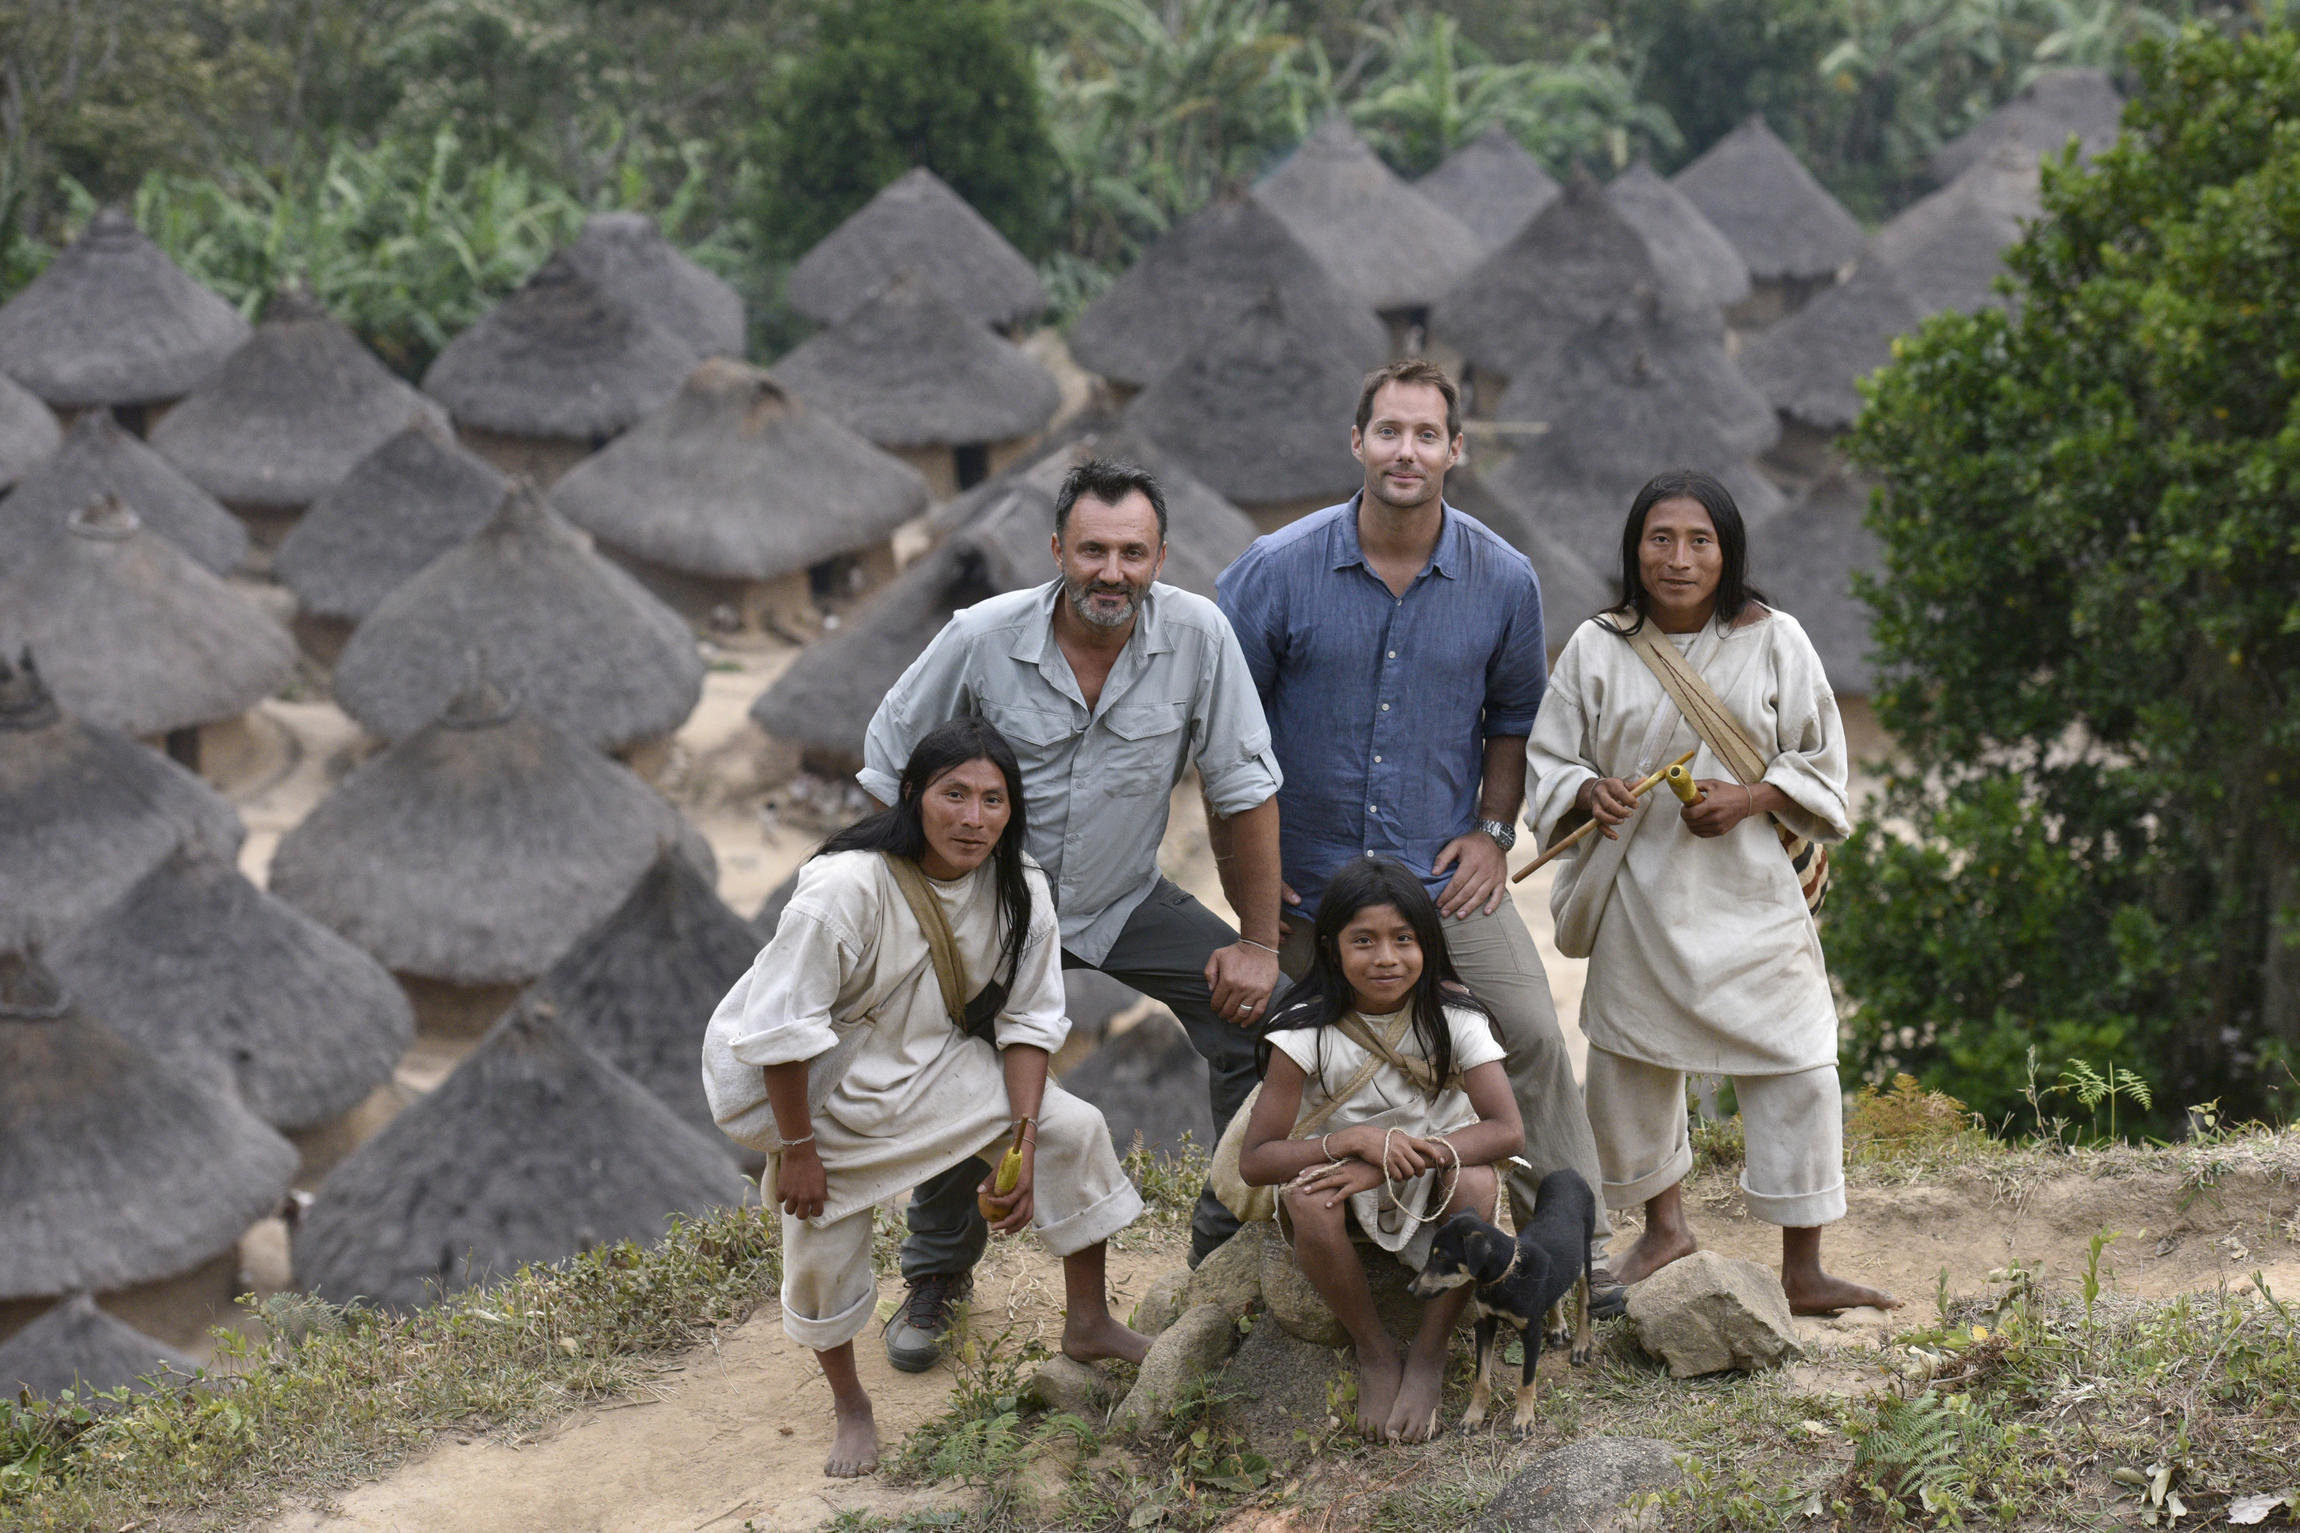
(914, 1335)
(1608, 1296)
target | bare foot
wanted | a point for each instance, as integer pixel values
(854, 1448)
(1086, 1338)
(1414, 1415)
(1655, 1249)
(1378, 1381)
(1822, 1293)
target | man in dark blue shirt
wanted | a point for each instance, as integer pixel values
(1397, 645)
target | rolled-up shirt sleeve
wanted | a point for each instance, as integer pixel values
(1234, 758)
(1559, 757)
(1036, 1011)
(1811, 763)
(1519, 671)
(933, 691)
(781, 1009)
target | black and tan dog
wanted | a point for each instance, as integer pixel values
(1519, 1281)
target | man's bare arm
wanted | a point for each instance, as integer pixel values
(1242, 975)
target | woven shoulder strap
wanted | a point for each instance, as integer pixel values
(1718, 726)
(1387, 1051)
(941, 946)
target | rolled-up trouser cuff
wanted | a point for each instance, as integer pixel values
(829, 1291)
(1796, 1211)
(1641, 1190)
(1093, 1225)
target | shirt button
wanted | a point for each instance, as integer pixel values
(1385, 707)
(1377, 761)
(1393, 654)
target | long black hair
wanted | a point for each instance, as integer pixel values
(1734, 593)
(1323, 994)
(900, 831)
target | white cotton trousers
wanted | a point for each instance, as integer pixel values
(1793, 1172)
(1080, 1197)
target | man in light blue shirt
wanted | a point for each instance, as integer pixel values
(1109, 686)
(1397, 645)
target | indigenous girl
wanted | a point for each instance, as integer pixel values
(1702, 955)
(1422, 1119)
(871, 1086)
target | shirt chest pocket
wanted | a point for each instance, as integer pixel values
(1144, 748)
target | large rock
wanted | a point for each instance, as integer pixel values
(1066, 1384)
(1707, 1313)
(1295, 1304)
(1231, 1274)
(1148, 1081)
(1163, 1302)
(1183, 1354)
(1582, 1487)
(1280, 1385)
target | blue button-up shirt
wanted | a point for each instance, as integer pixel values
(1380, 705)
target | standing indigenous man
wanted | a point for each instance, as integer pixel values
(1110, 686)
(1397, 645)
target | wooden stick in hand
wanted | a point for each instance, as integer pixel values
(1582, 834)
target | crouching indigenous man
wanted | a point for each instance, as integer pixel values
(1110, 686)
(903, 1016)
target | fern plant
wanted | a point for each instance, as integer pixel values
(1909, 1453)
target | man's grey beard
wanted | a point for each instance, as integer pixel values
(1076, 592)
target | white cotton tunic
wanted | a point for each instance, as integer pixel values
(1391, 1099)
(1702, 957)
(914, 1097)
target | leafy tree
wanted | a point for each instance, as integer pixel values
(2090, 624)
(889, 84)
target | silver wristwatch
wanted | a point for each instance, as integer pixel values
(1504, 834)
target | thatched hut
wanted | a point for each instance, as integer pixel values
(1794, 235)
(555, 371)
(133, 635)
(100, 457)
(582, 644)
(1491, 186)
(2056, 106)
(212, 976)
(76, 1346)
(29, 435)
(1576, 582)
(116, 1172)
(740, 495)
(1810, 363)
(908, 370)
(626, 257)
(1261, 413)
(534, 1150)
(1805, 559)
(85, 812)
(1382, 240)
(1687, 249)
(467, 857)
(639, 989)
(1947, 249)
(996, 540)
(403, 505)
(288, 414)
(1191, 285)
(113, 321)
(917, 223)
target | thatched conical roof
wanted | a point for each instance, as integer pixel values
(1261, 412)
(2056, 106)
(1492, 186)
(1804, 561)
(99, 457)
(29, 435)
(996, 541)
(1577, 262)
(906, 368)
(627, 257)
(739, 479)
(288, 414)
(582, 644)
(1947, 249)
(916, 222)
(534, 1150)
(113, 321)
(76, 1346)
(1192, 284)
(85, 811)
(1382, 240)
(559, 358)
(1573, 585)
(639, 989)
(114, 1169)
(133, 635)
(1808, 364)
(200, 968)
(402, 506)
(477, 849)
(1624, 400)
(1762, 198)
(1687, 249)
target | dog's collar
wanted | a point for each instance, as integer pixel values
(1515, 1251)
